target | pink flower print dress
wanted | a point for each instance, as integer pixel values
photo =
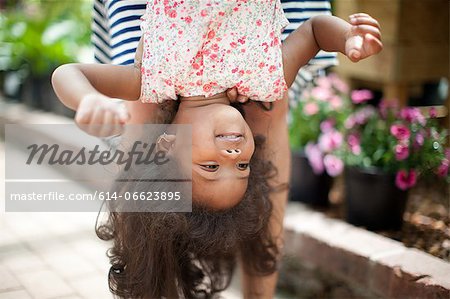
(203, 47)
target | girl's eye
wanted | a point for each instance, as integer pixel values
(210, 168)
(242, 166)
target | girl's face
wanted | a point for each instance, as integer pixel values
(222, 146)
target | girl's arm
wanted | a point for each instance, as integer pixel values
(74, 82)
(358, 39)
(90, 89)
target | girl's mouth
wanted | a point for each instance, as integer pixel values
(231, 136)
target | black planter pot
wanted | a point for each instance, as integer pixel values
(306, 186)
(373, 200)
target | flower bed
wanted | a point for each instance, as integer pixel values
(384, 149)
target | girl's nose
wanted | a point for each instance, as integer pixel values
(231, 153)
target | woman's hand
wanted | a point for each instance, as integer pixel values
(234, 97)
(364, 37)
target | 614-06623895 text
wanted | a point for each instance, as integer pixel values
(102, 196)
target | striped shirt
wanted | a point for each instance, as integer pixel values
(116, 32)
(297, 12)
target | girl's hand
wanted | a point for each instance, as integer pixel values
(364, 38)
(101, 116)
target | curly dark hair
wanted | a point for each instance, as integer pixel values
(192, 255)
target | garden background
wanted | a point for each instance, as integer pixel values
(382, 122)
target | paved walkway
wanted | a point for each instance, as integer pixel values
(50, 255)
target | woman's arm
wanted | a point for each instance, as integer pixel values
(273, 126)
(358, 39)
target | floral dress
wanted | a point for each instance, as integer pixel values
(203, 47)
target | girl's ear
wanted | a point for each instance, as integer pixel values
(165, 143)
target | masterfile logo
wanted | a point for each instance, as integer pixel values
(61, 168)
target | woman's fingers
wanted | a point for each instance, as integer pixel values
(233, 96)
(242, 99)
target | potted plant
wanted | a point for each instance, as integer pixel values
(315, 132)
(36, 37)
(386, 150)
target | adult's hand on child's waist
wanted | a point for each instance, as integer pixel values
(234, 97)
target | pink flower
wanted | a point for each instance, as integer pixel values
(360, 117)
(399, 131)
(311, 108)
(387, 105)
(361, 96)
(172, 13)
(401, 151)
(207, 87)
(354, 143)
(419, 140)
(305, 94)
(315, 158)
(433, 112)
(320, 93)
(211, 34)
(327, 125)
(442, 170)
(330, 141)
(434, 134)
(366, 113)
(336, 102)
(333, 165)
(413, 115)
(405, 180)
(337, 83)
(350, 122)
(323, 82)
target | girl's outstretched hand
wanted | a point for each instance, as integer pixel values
(364, 38)
(101, 116)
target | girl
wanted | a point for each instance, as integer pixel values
(207, 47)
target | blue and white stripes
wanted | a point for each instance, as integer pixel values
(297, 12)
(116, 30)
